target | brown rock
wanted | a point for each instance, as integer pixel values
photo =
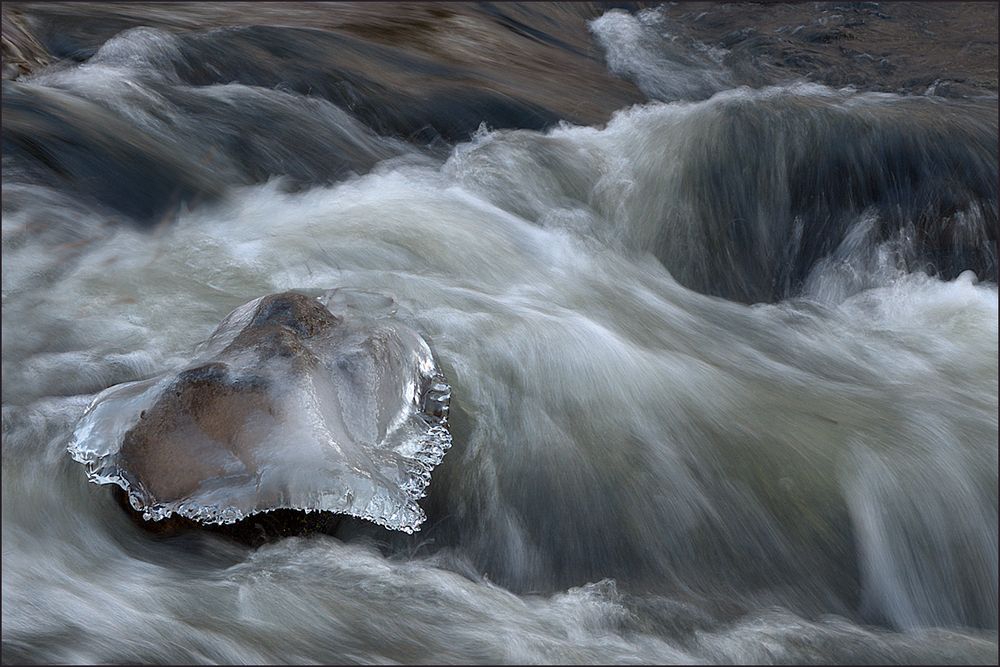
(22, 53)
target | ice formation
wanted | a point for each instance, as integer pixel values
(287, 405)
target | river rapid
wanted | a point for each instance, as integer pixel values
(723, 357)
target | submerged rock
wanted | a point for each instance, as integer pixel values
(287, 407)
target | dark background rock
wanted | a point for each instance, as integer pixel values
(542, 55)
(903, 47)
(490, 50)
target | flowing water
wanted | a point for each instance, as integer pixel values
(723, 363)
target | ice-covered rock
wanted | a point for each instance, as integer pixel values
(287, 406)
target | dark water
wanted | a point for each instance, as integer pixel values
(721, 332)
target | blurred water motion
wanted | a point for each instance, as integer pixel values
(721, 332)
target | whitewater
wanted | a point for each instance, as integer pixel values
(676, 438)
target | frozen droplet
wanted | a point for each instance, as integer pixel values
(135, 501)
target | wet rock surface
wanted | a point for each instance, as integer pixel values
(907, 47)
(504, 71)
(940, 48)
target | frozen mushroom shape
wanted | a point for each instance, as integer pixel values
(287, 406)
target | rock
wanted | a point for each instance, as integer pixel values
(22, 53)
(817, 41)
(288, 408)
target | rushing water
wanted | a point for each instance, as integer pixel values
(724, 369)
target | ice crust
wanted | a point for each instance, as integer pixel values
(286, 406)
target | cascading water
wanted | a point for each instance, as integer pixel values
(723, 368)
